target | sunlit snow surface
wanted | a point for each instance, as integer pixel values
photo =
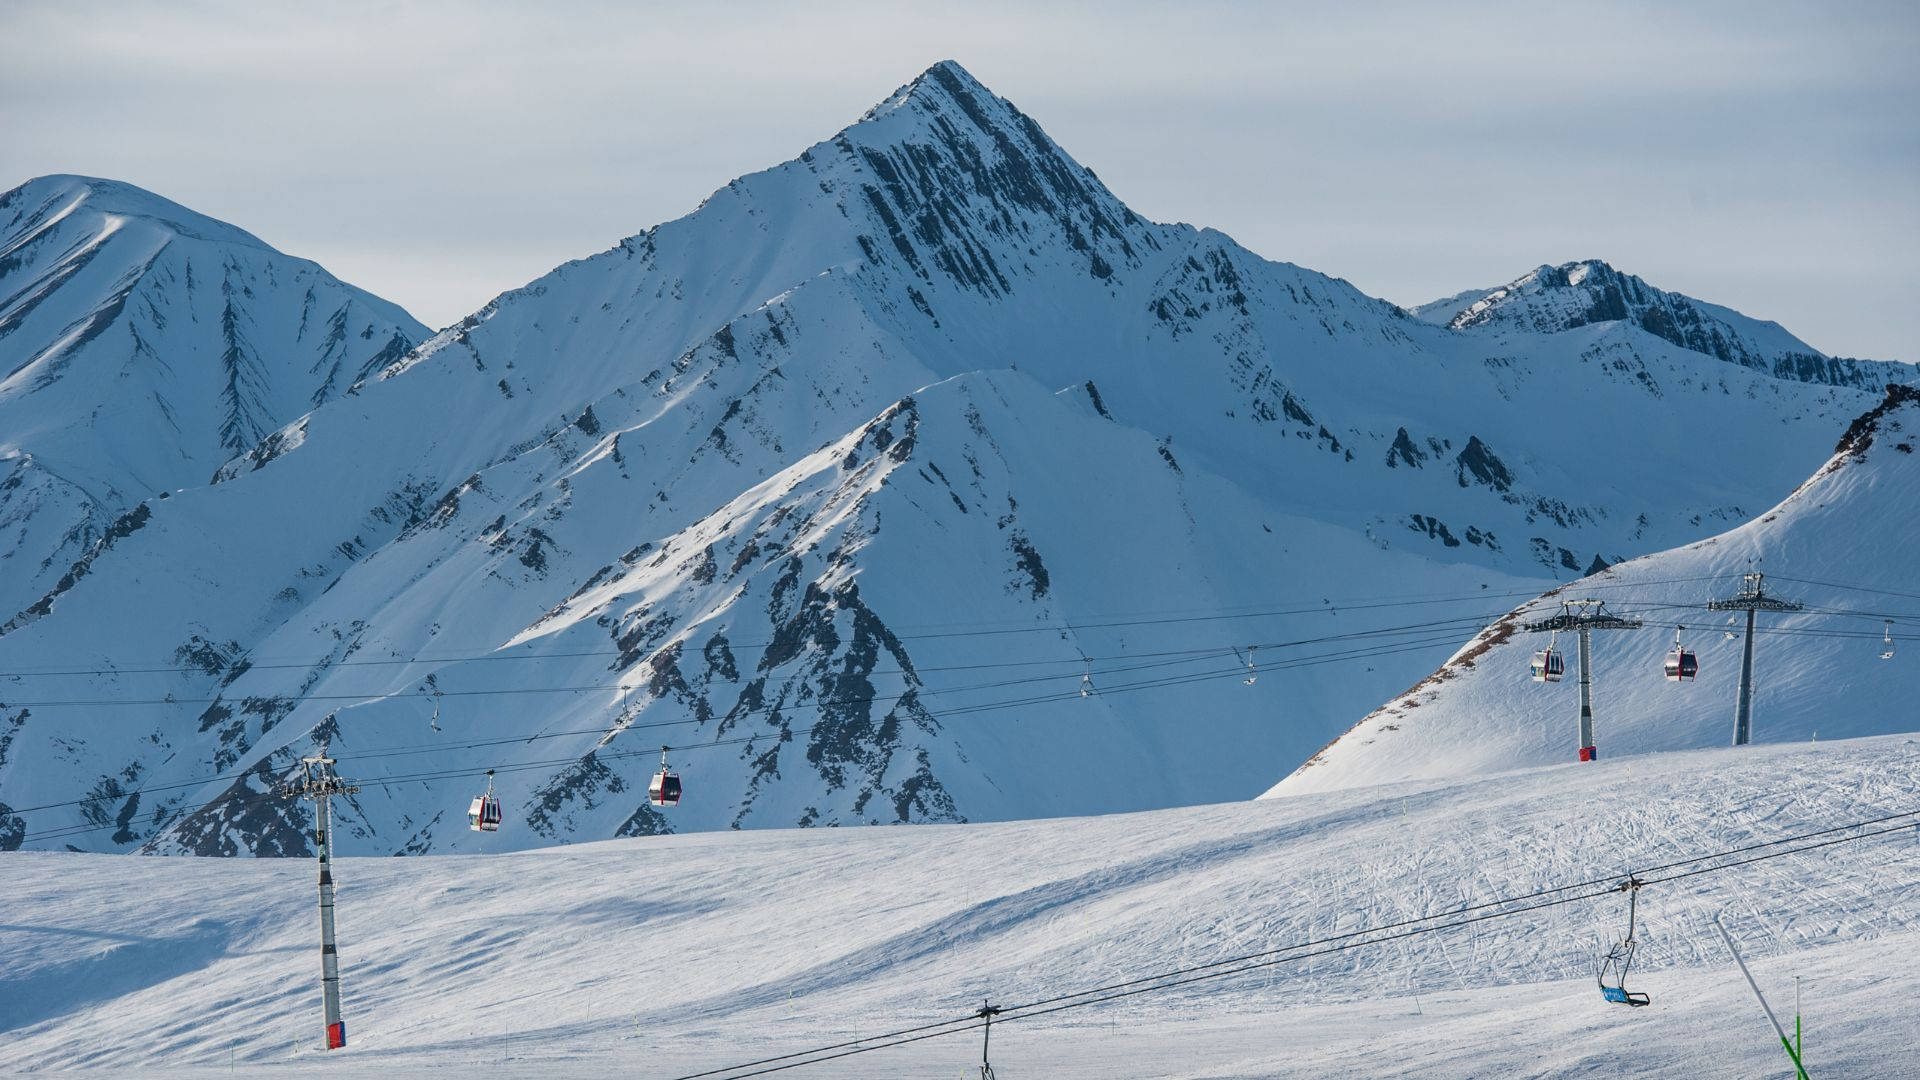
(661, 956)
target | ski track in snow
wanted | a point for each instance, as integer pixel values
(668, 954)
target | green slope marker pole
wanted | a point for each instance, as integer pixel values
(1790, 1044)
(1798, 1049)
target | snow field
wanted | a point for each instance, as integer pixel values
(678, 953)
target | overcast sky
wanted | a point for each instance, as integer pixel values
(1764, 156)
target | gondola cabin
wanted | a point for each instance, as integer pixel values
(665, 788)
(484, 815)
(1549, 666)
(1682, 665)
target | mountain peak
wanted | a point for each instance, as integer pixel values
(944, 83)
(946, 104)
(953, 175)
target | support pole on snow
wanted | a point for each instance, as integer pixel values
(1793, 1050)
(987, 1012)
(321, 785)
(1751, 598)
(1584, 616)
(1586, 695)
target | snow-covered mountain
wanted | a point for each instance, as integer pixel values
(844, 484)
(1841, 545)
(142, 346)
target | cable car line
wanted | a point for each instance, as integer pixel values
(744, 740)
(1849, 588)
(1269, 958)
(1462, 622)
(1195, 654)
(525, 766)
(61, 832)
(746, 646)
(377, 752)
(493, 654)
(433, 747)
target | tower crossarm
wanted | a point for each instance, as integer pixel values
(1565, 623)
(1754, 603)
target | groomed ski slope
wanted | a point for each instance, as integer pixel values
(662, 956)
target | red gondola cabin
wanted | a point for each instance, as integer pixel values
(1682, 665)
(665, 789)
(1549, 666)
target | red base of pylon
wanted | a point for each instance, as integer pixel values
(1589, 753)
(336, 1035)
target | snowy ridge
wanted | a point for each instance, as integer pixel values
(141, 346)
(612, 482)
(1556, 298)
(1819, 672)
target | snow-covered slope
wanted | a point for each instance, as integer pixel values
(675, 955)
(142, 345)
(1842, 545)
(927, 401)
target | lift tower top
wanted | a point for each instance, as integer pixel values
(1583, 617)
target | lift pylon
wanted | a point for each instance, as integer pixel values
(320, 784)
(1583, 617)
(1752, 597)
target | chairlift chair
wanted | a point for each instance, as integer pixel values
(1619, 958)
(484, 815)
(1886, 643)
(664, 790)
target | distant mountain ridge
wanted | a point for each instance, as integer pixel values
(845, 485)
(1575, 294)
(141, 346)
